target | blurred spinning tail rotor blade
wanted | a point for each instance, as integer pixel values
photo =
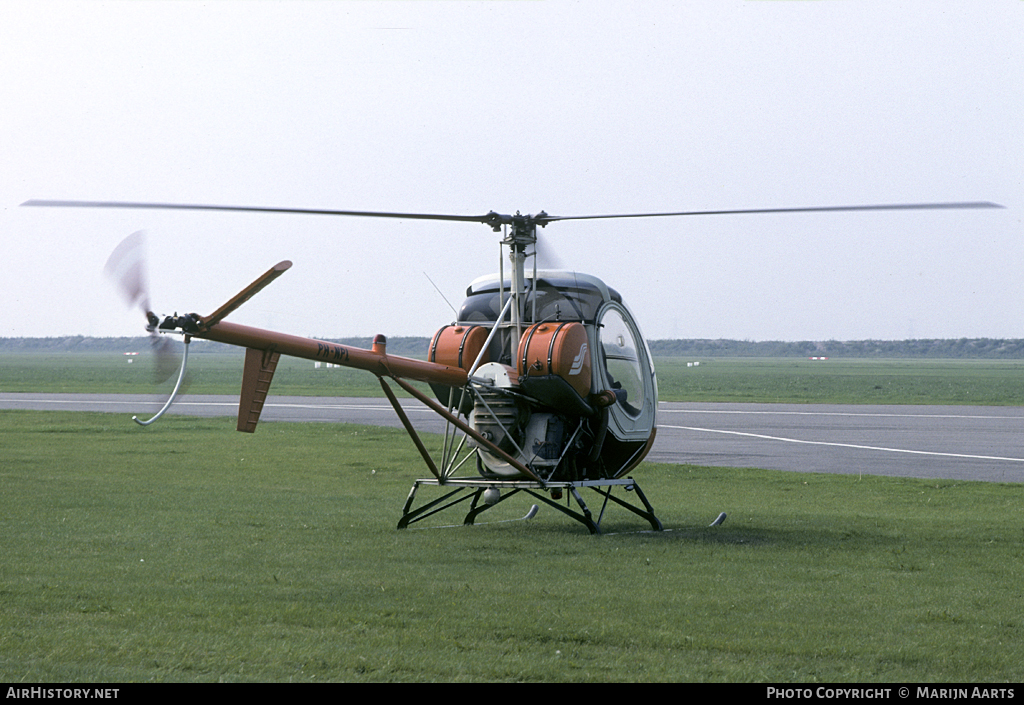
(127, 267)
(165, 360)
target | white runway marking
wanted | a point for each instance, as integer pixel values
(843, 445)
(835, 413)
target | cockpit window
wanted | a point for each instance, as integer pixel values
(622, 361)
(481, 308)
(556, 300)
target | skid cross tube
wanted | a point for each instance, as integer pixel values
(539, 491)
(411, 517)
(648, 515)
(475, 509)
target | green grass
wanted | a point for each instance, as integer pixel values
(189, 552)
(843, 381)
(791, 380)
(207, 373)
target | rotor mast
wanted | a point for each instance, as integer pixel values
(521, 233)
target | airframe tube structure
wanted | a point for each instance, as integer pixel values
(264, 348)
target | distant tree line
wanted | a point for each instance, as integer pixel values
(407, 346)
(963, 348)
(959, 348)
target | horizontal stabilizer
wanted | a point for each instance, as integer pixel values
(256, 378)
(247, 293)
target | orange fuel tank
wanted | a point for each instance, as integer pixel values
(559, 350)
(458, 346)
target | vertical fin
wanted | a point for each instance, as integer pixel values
(256, 377)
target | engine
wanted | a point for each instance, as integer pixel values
(537, 412)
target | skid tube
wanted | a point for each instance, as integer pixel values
(464, 489)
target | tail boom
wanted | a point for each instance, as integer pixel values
(376, 360)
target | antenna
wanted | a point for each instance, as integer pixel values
(442, 295)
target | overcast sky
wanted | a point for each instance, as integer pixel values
(571, 107)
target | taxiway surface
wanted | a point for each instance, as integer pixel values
(941, 442)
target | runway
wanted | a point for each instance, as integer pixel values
(940, 442)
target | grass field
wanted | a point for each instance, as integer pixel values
(844, 381)
(790, 380)
(209, 373)
(189, 552)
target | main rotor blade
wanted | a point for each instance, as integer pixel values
(544, 219)
(495, 220)
(488, 218)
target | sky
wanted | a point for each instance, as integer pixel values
(574, 108)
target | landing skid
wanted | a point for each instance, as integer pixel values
(461, 490)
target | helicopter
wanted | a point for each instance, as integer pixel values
(545, 380)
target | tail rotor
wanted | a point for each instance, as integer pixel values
(126, 266)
